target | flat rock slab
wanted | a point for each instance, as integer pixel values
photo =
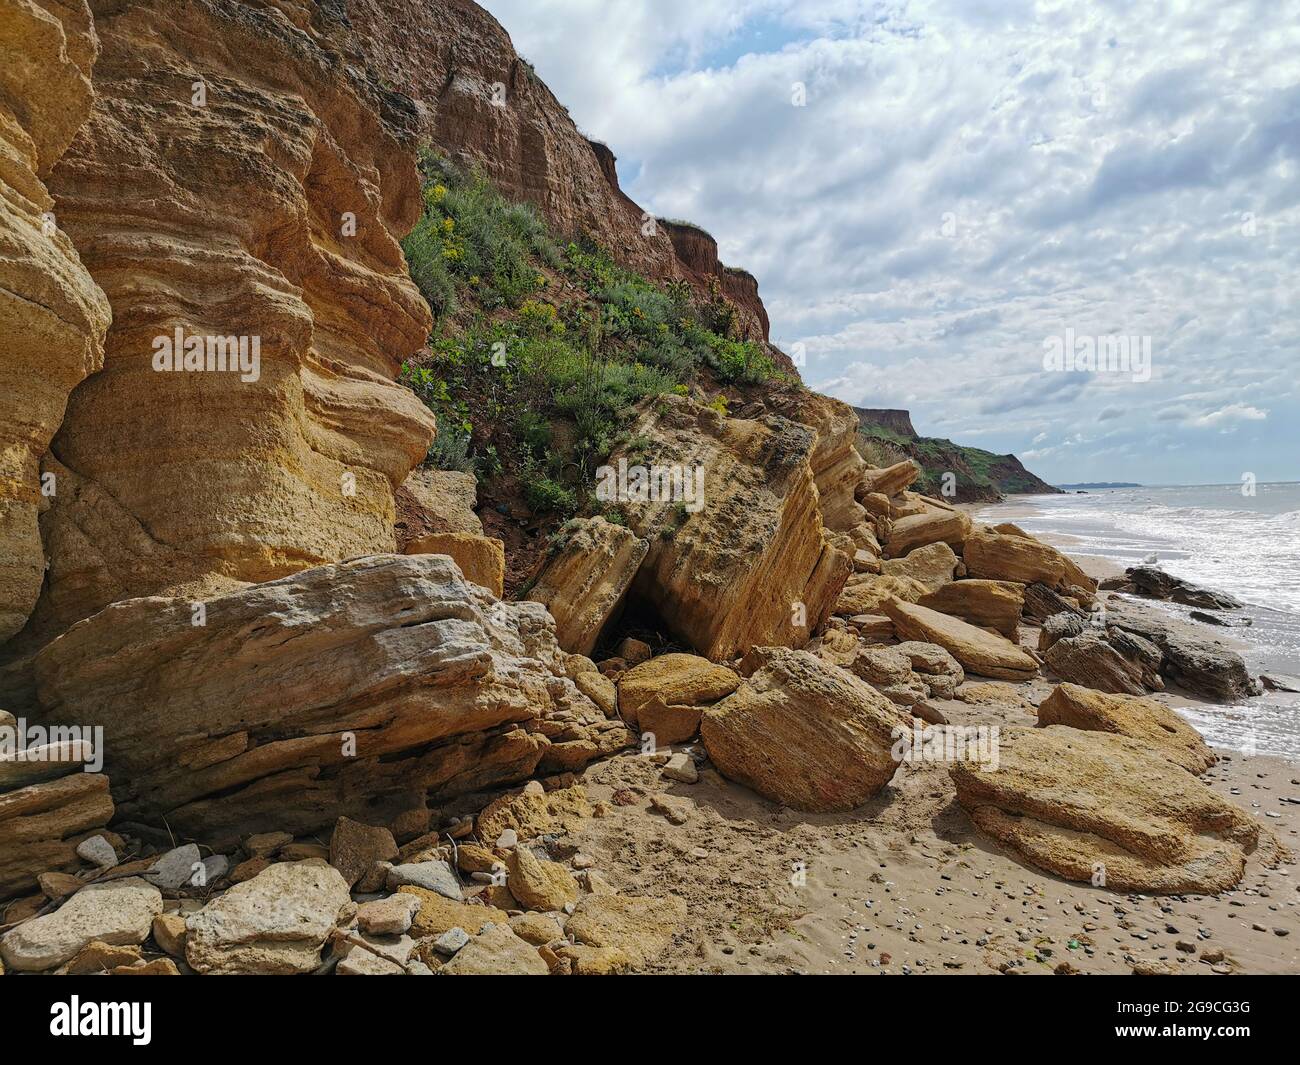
(978, 651)
(1110, 810)
(118, 912)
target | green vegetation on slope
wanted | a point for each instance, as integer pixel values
(541, 349)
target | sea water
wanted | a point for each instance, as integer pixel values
(1219, 536)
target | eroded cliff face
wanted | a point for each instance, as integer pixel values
(52, 315)
(266, 187)
(482, 103)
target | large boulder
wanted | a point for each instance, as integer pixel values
(666, 695)
(586, 579)
(53, 316)
(1108, 810)
(978, 651)
(116, 912)
(986, 604)
(748, 563)
(274, 924)
(1138, 718)
(357, 689)
(1200, 664)
(481, 559)
(1124, 666)
(1005, 557)
(804, 733)
(41, 825)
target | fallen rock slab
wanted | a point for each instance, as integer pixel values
(41, 826)
(978, 651)
(496, 951)
(1157, 584)
(344, 690)
(1140, 719)
(985, 604)
(804, 733)
(481, 559)
(641, 928)
(1110, 810)
(586, 579)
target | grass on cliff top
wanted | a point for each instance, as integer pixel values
(542, 348)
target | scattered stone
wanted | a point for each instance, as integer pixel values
(169, 933)
(677, 811)
(496, 951)
(438, 914)
(432, 876)
(536, 928)
(388, 917)
(175, 869)
(275, 923)
(451, 941)
(355, 848)
(99, 957)
(157, 967)
(538, 884)
(117, 912)
(681, 767)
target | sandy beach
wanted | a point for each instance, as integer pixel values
(906, 885)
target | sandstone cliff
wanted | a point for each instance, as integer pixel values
(52, 314)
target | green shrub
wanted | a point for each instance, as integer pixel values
(450, 448)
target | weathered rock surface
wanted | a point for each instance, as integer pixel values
(539, 884)
(804, 733)
(481, 559)
(985, 604)
(117, 912)
(53, 317)
(533, 812)
(753, 565)
(667, 695)
(866, 593)
(1087, 804)
(355, 848)
(269, 210)
(889, 480)
(1198, 663)
(586, 579)
(42, 824)
(978, 651)
(1140, 719)
(444, 502)
(1041, 603)
(274, 924)
(933, 565)
(1094, 661)
(641, 928)
(352, 689)
(496, 951)
(1005, 557)
(836, 465)
(931, 525)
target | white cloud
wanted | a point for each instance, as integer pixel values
(971, 177)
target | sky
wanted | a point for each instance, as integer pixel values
(949, 203)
